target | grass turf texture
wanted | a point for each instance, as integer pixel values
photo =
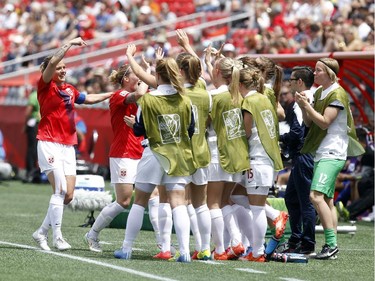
(23, 208)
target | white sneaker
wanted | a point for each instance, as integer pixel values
(93, 244)
(61, 244)
(41, 240)
(369, 218)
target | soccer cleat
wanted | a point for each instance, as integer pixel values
(93, 244)
(184, 258)
(194, 256)
(250, 257)
(61, 245)
(120, 254)
(327, 253)
(41, 240)
(163, 255)
(219, 257)
(280, 223)
(234, 252)
(342, 213)
(204, 255)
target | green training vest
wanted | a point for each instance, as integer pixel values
(232, 144)
(201, 105)
(265, 118)
(166, 120)
(316, 135)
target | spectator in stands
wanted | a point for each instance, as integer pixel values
(351, 41)
(229, 50)
(363, 28)
(315, 39)
(56, 139)
(9, 17)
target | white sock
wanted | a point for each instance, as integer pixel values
(56, 214)
(204, 224)
(182, 227)
(165, 226)
(105, 217)
(245, 221)
(259, 229)
(153, 214)
(194, 227)
(46, 224)
(217, 230)
(231, 225)
(271, 212)
(133, 226)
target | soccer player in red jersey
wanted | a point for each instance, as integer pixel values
(56, 139)
(125, 151)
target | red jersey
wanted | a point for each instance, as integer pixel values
(125, 144)
(57, 112)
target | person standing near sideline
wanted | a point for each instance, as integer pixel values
(331, 138)
(56, 139)
(297, 195)
(260, 122)
(125, 151)
(32, 116)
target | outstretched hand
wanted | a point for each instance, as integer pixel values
(77, 42)
(159, 54)
(130, 50)
(182, 38)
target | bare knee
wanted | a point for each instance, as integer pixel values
(68, 198)
(124, 202)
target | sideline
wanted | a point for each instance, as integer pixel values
(120, 268)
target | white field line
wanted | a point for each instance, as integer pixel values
(290, 279)
(120, 268)
(251, 270)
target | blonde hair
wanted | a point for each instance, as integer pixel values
(191, 65)
(117, 76)
(230, 71)
(252, 79)
(169, 72)
(332, 68)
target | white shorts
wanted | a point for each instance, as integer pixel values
(259, 179)
(150, 171)
(216, 173)
(52, 155)
(200, 177)
(123, 170)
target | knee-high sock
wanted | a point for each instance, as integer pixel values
(217, 230)
(204, 224)
(182, 227)
(165, 226)
(56, 214)
(46, 224)
(245, 220)
(194, 227)
(153, 214)
(133, 226)
(271, 212)
(105, 217)
(259, 229)
(231, 225)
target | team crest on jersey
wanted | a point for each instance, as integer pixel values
(123, 172)
(169, 128)
(123, 93)
(233, 123)
(51, 159)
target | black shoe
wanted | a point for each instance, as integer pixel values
(307, 251)
(327, 253)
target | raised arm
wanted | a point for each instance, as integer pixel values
(142, 86)
(58, 56)
(148, 78)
